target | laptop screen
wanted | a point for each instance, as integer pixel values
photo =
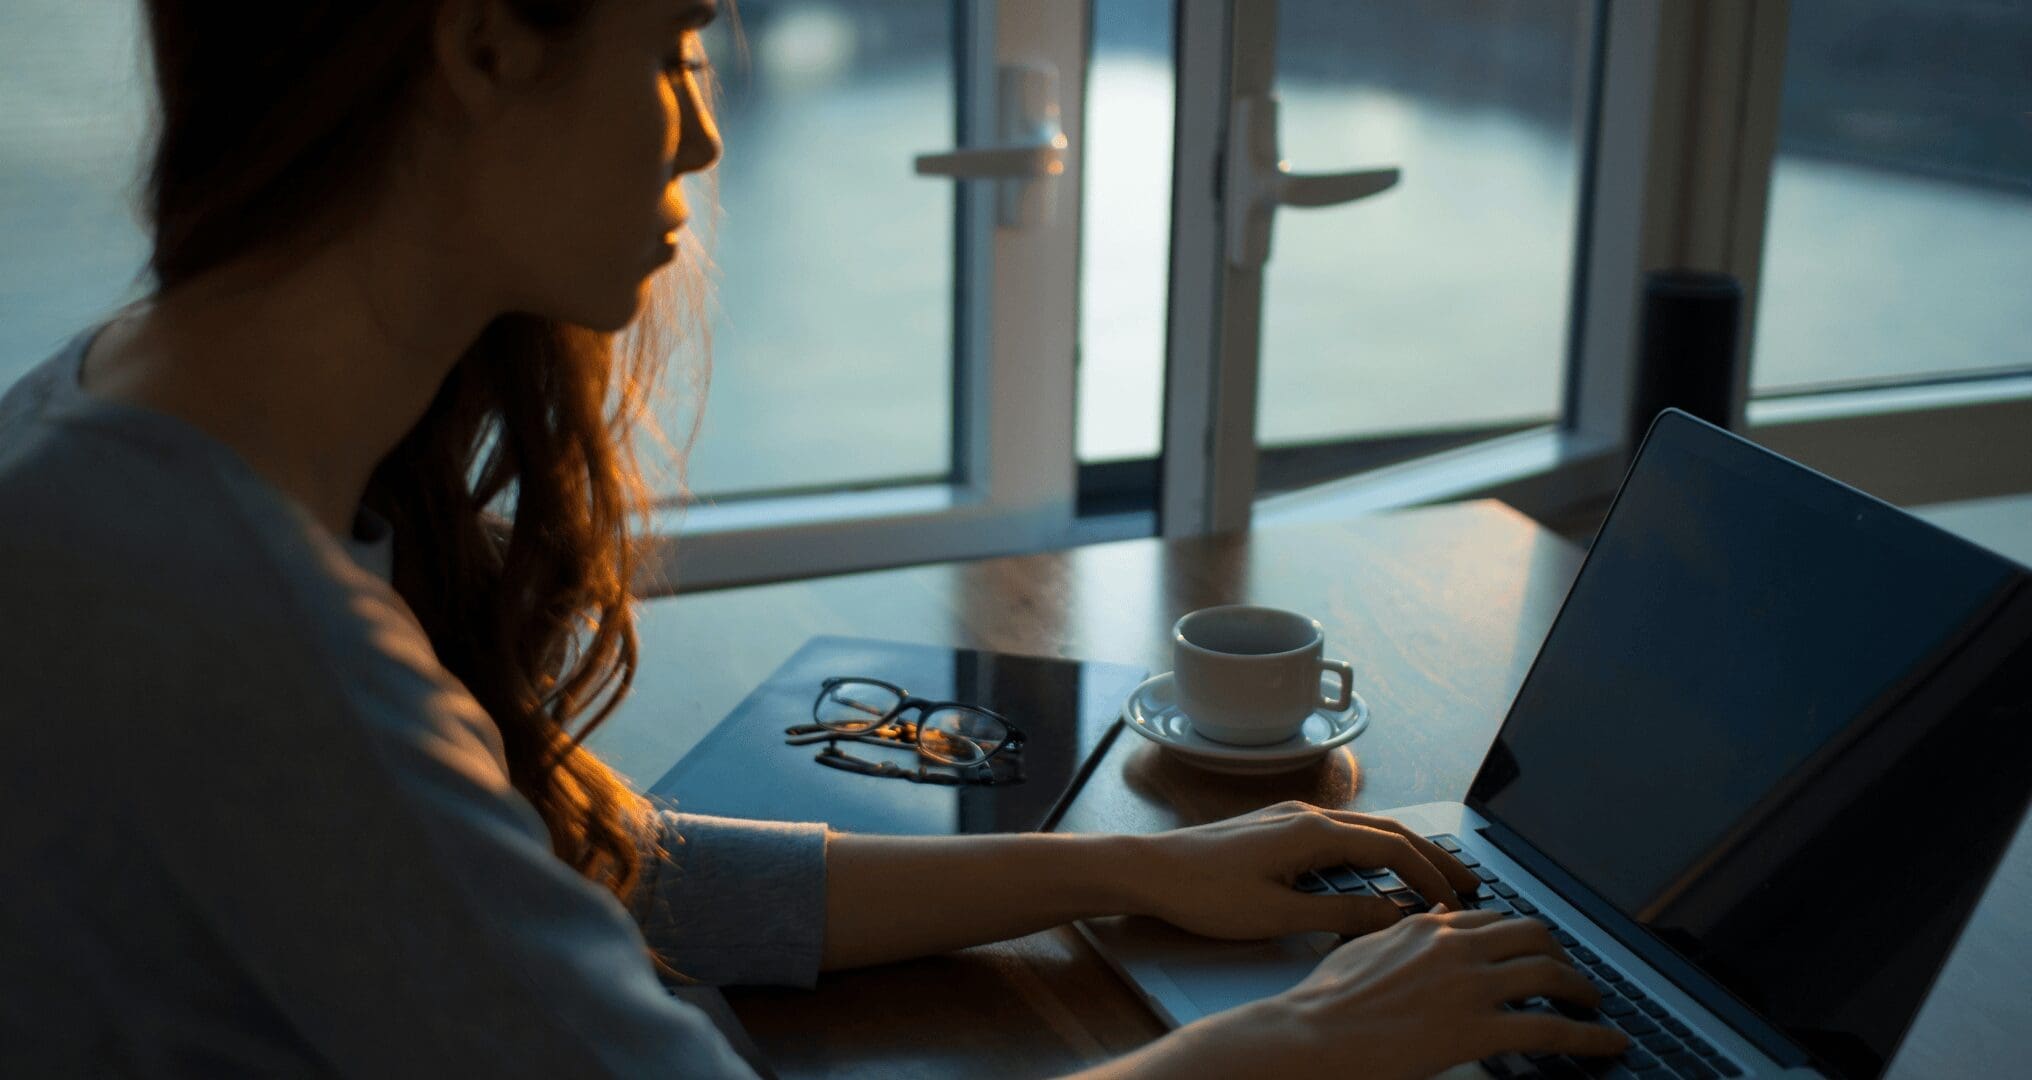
(1759, 727)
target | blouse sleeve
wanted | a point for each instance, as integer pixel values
(735, 902)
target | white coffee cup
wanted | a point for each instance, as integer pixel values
(1250, 675)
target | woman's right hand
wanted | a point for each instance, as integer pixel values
(1428, 993)
(1409, 1001)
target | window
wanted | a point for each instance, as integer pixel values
(1433, 313)
(1900, 234)
(1879, 218)
(1123, 256)
(73, 110)
(833, 323)
(1441, 304)
(958, 320)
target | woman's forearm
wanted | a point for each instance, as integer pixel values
(895, 897)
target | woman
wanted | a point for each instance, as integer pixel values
(292, 782)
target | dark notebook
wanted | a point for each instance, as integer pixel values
(1068, 711)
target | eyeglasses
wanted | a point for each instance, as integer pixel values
(949, 732)
(870, 710)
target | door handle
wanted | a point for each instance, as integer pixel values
(1256, 181)
(1029, 153)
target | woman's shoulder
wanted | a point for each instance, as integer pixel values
(124, 541)
(88, 505)
(131, 547)
(151, 614)
(74, 468)
(96, 494)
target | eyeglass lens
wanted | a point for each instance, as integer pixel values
(961, 736)
(855, 706)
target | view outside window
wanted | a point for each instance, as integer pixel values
(1125, 254)
(74, 95)
(1440, 305)
(1899, 244)
(833, 334)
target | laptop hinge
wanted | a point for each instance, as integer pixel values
(1632, 936)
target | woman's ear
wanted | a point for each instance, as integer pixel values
(483, 51)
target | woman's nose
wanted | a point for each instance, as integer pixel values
(698, 140)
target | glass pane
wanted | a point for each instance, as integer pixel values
(74, 100)
(1899, 241)
(832, 334)
(1126, 216)
(1440, 305)
(960, 736)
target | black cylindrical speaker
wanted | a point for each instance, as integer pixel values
(1687, 348)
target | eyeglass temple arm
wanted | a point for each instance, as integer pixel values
(806, 738)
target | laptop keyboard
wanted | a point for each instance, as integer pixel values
(1662, 1046)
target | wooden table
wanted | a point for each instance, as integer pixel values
(1440, 611)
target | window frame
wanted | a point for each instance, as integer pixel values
(1207, 450)
(1013, 487)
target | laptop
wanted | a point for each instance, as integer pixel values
(1760, 683)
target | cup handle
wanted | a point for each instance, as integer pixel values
(1347, 674)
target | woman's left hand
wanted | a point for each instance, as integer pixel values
(1235, 878)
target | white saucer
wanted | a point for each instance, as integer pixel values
(1152, 712)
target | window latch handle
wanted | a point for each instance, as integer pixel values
(1257, 181)
(1030, 153)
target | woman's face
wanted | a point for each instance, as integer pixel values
(585, 205)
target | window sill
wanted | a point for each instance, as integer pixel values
(1910, 445)
(1539, 471)
(1905, 444)
(793, 511)
(762, 540)
(1880, 400)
